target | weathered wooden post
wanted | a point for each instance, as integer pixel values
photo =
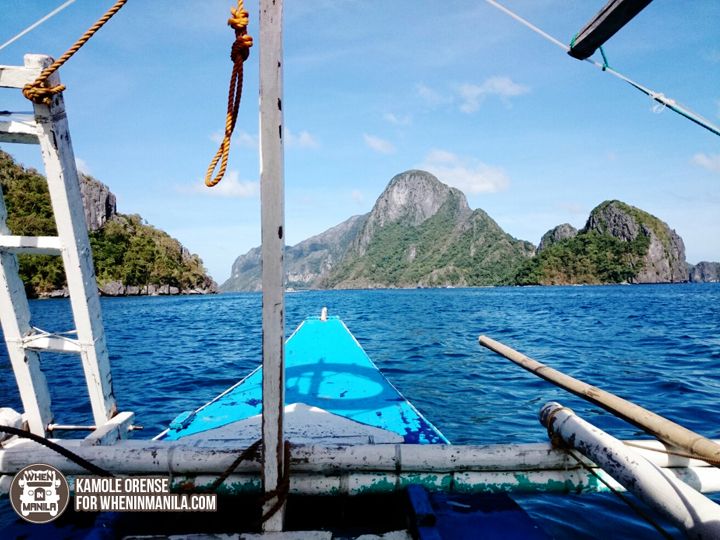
(273, 241)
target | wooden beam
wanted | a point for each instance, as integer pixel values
(64, 188)
(273, 244)
(113, 430)
(358, 468)
(51, 343)
(610, 19)
(654, 424)
(17, 76)
(15, 322)
(18, 132)
(201, 456)
(36, 245)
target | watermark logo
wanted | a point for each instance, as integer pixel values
(137, 494)
(39, 493)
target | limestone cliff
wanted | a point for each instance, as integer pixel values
(305, 263)
(619, 244)
(555, 235)
(410, 199)
(98, 202)
(131, 256)
(420, 233)
(705, 272)
(664, 259)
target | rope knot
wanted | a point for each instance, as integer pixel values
(241, 48)
(37, 91)
(240, 18)
(41, 94)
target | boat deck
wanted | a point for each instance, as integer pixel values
(331, 383)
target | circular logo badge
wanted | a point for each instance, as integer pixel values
(39, 493)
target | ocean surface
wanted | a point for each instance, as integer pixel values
(658, 345)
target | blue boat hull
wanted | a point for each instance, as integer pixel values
(326, 370)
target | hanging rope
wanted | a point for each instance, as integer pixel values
(238, 54)
(714, 463)
(656, 96)
(282, 490)
(38, 91)
(248, 453)
(85, 464)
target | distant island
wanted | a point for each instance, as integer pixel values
(131, 257)
(422, 233)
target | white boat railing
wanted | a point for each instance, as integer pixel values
(354, 469)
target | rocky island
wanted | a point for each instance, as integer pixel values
(422, 233)
(619, 244)
(131, 257)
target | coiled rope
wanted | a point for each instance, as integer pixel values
(38, 91)
(238, 54)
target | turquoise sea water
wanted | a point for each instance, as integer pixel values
(658, 345)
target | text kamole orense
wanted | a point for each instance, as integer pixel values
(137, 494)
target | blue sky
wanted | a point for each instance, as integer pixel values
(531, 136)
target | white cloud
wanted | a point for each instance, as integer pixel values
(240, 138)
(229, 187)
(432, 97)
(379, 145)
(403, 120)
(82, 166)
(573, 208)
(713, 55)
(357, 196)
(438, 156)
(473, 95)
(711, 162)
(245, 139)
(467, 174)
(300, 140)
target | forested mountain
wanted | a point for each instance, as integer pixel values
(422, 233)
(131, 257)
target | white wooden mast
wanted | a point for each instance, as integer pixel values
(272, 197)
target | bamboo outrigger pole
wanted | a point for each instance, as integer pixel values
(654, 424)
(272, 197)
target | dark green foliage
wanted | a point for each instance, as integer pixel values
(125, 249)
(588, 258)
(134, 253)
